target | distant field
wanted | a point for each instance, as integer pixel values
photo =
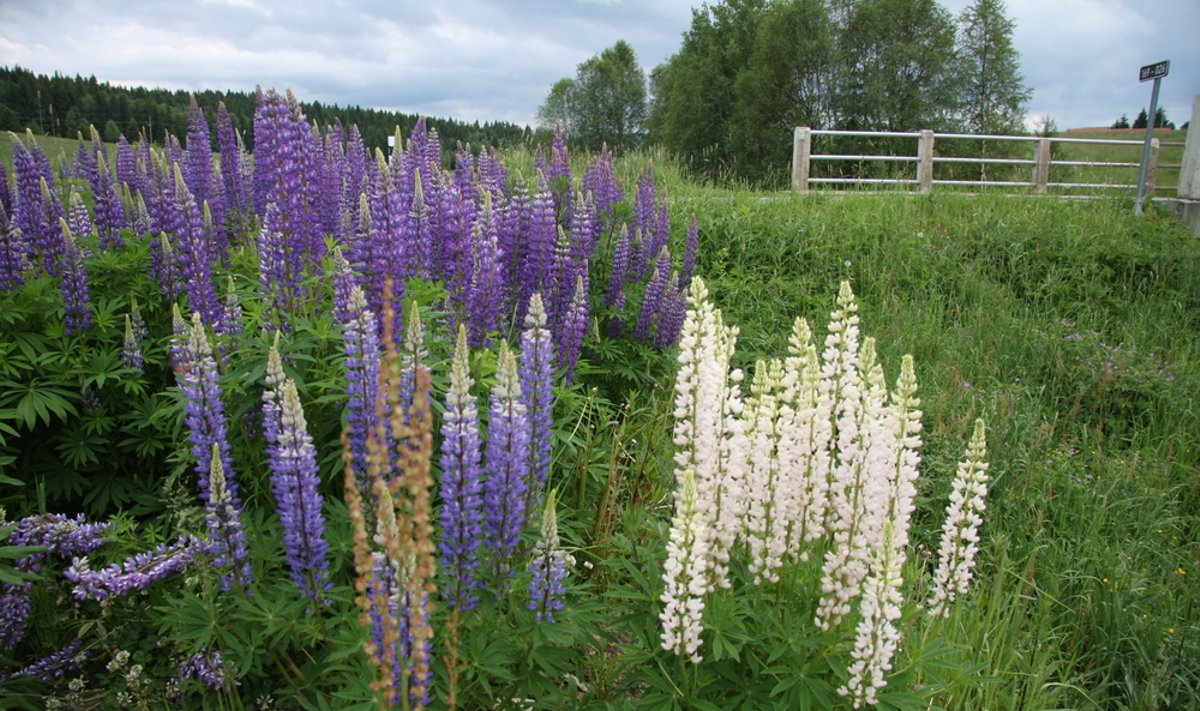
(1169, 157)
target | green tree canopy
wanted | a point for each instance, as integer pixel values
(604, 103)
(993, 92)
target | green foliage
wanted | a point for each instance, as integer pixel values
(993, 94)
(604, 104)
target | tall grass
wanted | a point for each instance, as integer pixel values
(1072, 328)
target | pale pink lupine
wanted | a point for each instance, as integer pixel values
(876, 637)
(865, 442)
(768, 497)
(960, 533)
(685, 576)
(710, 463)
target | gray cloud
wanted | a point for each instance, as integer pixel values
(480, 60)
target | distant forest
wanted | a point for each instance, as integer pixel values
(65, 106)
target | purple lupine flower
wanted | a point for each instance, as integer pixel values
(79, 219)
(461, 487)
(690, 247)
(61, 535)
(13, 249)
(204, 413)
(230, 323)
(485, 294)
(673, 309)
(360, 343)
(164, 266)
(293, 463)
(195, 255)
(77, 310)
(131, 350)
(537, 394)
(58, 534)
(286, 173)
(223, 516)
(140, 331)
(412, 357)
(600, 179)
(573, 329)
(644, 225)
(343, 285)
(464, 168)
(57, 665)
(6, 196)
(614, 297)
(537, 257)
(201, 178)
(549, 567)
(140, 221)
(515, 219)
(206, 667)
(652, 299)
(237, 208)
(110, 215)
(135, 573)
(28, 215)
(507, 461)
(558, 174)
(279, 270)
(15, 607)
(85, 161)
(126, 166)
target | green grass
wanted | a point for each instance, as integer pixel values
(1071, 328)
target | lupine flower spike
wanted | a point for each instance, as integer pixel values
(549, 567)
(960, 533)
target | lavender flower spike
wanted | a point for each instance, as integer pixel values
(293, 463)
(537, 395)
(225, 527)
(461, 487)
(507, 461)
(131, 351)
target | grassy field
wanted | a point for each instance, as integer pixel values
(1072, 328)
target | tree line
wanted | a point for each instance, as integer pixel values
(748, 71)
(59, 105)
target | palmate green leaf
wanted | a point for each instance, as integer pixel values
(39, 401)
(79, 447)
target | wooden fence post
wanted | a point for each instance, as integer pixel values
(1152, 169)
(1041, 170)
(925, 161)
(801, 150)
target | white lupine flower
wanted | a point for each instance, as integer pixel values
(684, 576)
(876, 637)
(904, 404)
(766, 504)
(960, 533)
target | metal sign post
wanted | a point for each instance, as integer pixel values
(1155, 71)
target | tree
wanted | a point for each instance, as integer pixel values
(993, 92)
(785, 84)
(1122, 122)
(897, 66)
(557, 110)
(694, 95)
(1140, 121)
(1160, 119)
(605, 103)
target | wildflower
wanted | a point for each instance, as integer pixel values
(876, 637)
(537, 395)
(293, 463)
(684, 575)
(77, 311)
(131, 351)
(135, 573)
(461, 486)
(549, 566)
(960, 535)
(507, 459)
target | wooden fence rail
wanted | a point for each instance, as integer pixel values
(1040, 162)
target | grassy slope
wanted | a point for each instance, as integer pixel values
(1071, 328)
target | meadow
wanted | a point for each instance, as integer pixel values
(1069, 328)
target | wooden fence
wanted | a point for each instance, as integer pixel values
(1039, 162)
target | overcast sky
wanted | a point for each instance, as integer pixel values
(478, 60)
